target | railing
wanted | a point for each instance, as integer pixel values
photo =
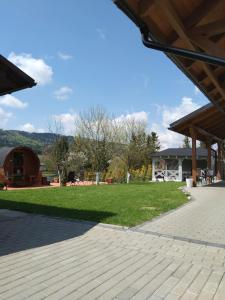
(167, 175)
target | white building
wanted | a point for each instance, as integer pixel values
(175, 164)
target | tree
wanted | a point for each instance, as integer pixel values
(59, 154)
(141, 146)
(129, 135)
(77, 159)
(186, 142)
(95, 131)
(136, 145)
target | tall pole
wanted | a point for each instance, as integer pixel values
(219, 161)
(209, 157)
(194, 161)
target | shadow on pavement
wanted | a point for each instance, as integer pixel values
(217, 184)
(21, 231)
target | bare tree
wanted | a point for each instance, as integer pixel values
(94, 128)
(127, 129)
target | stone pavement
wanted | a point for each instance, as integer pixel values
(50, 258)
(201, 220)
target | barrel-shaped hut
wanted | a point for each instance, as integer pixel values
(19, 166)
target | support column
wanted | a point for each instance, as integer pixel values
(153, 169)
(180, 169)
(194, 161)
(218, 175)
(209, 158)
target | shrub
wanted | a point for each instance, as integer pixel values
(116, 170)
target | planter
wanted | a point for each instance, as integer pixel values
(109, 180)
(189, 182)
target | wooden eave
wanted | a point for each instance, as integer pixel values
(196, 25)
(208, 123)
(12, 78)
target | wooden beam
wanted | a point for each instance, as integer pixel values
(206, 7)
(217, 128)
(207, 45)
(196, 16)
(210, 29)
(210, 119)
(213, 123)
(219, 71)
(178, 26)
(144, 6)
(198, 118)
(207, 134)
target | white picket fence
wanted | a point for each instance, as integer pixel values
(168, 175)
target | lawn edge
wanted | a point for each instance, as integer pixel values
(190, 199)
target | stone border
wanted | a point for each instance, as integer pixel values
(178, 238)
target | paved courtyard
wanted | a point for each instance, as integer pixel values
(50, 258)
(201, 220)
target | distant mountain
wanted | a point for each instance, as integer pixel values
(36, 141)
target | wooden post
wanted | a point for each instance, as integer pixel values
(153, 169)
(218, 175)
(180, 169)
(209, 158)
(194, 161)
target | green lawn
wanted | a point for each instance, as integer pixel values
(120, 204)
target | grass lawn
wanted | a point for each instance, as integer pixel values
(122, 204)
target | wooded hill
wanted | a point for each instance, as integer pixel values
(37, 141)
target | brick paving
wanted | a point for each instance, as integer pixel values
(202, 220)
(51, 258)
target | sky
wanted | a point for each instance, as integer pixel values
(87, 53)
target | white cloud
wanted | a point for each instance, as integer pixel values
(11, 101)
(35, 67)
(169, 138)
(67, 121)
(64, 56)
(4, 117)
(101, 33)
(63, 93)
(30, 128)
(140, 116)
(171, 114)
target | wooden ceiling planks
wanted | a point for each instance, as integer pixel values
(196, 25)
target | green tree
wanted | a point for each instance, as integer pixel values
(186, 142)
(139, 150)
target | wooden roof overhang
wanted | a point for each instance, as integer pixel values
(207, 122)
(12, 78)
(190, 25)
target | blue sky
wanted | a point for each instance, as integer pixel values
(84, 53)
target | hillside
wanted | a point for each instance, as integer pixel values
(36, 141)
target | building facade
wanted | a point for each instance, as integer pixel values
(175, 164)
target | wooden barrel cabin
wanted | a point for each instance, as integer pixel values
(19, 167)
